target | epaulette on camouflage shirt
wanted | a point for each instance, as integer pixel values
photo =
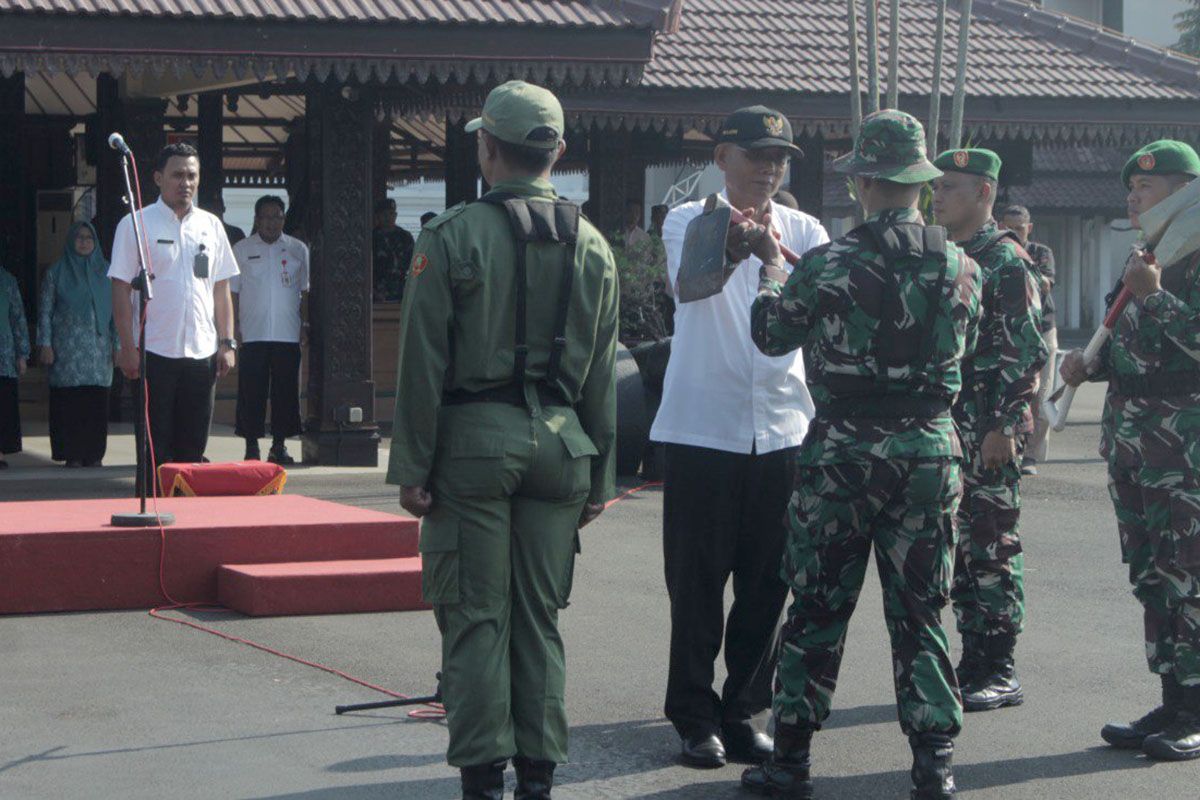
(831, 305)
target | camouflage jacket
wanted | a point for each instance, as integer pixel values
(391, 252)
(1000, 377)
(1044, 276)
(1162, 336)
(835, 304)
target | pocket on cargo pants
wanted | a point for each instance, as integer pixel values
(440, 563)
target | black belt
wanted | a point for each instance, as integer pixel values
(1157, 384)
(508, 394)
(900, 406)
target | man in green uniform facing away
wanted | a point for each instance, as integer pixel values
(504, 437)
(1149, 437)
(993, 417)
(885, 314)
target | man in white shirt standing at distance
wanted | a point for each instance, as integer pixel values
(269, 288)
(731, 419)
(189, 321)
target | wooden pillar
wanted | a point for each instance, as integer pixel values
(295, 164)
(807, 180)
(461, 164)
(341, 124)
(109, 187)
(211, 144)
(15, 236)
(145, 133)
(615, 175)
(381, 159)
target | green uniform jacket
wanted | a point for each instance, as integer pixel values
(831, 305)
(458, 326)
(1162, 336)
(1000, 377)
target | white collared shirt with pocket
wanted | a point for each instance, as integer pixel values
(270, 280)
(180, 321)
(720, 392)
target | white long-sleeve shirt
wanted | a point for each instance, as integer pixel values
(720, 392)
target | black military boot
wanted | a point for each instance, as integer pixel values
(931, 773)
(785, 773)
(534, 778)
(1181, 739)
(995, 684)
(972, 659)
(483, 782)
(1132, 735)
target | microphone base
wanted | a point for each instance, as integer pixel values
(142, 520)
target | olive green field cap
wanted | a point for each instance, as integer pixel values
(521, 113)
(891, 146)
(1164, 157)
(972, 161)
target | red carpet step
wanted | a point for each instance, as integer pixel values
(65, 556)
(321, 587)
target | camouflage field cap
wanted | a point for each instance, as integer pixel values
(890, 145)
(1164, 157)
(521, 113)
(973, 161)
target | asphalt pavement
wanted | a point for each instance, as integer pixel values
(120, 705)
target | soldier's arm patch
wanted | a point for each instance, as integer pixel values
(419, 262)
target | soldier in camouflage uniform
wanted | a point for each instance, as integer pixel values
(391, 252)
(993, 417)
(1149, 437)
(885, 315)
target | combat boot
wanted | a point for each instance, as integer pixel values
(995, 685)
(932, 776)
(1181, 739)
(534, 778)
(484, 781)
(1132, 735)
(785, 773)
(972, 660)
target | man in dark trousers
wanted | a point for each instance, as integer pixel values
(189, 324)
(270, 289)
(731, 419)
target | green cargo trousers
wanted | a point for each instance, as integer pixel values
(498, 554)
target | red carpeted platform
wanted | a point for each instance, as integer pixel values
(322, 587)
(65, 556)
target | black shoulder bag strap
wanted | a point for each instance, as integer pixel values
(935, 244)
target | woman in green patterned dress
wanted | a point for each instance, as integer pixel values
(77, 339)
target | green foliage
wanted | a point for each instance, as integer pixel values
(1187, 22)
(642, 272)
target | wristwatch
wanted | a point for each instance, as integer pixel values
(230, 343)
(1152, 301)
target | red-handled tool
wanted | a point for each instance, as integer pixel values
(736, 217)
(1056, 409)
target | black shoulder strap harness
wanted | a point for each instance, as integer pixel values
(900, 246)
(540, 222)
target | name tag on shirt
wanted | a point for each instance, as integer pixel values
(252, 258)
(166, 241)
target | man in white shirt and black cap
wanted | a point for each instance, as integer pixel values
(731, 419)
(270, 287)
(189, 321)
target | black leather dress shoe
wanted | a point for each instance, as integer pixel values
(703, 751)
(746, 745)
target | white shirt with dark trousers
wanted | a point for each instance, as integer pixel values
(273, 277)
(731, 419)
(180, 326)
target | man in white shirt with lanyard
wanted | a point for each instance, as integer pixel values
(270, 286)
(189, 321)
(731, 419)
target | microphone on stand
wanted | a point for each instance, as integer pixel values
(117, 142)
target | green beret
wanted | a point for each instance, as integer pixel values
(974, 161)
(1164, 157)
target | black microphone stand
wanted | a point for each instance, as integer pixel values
(436, 697)
(142, 518)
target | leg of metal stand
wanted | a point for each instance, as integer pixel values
(407, 701)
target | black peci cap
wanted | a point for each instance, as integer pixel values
(758, 126)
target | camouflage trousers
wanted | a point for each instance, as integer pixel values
(988, 592)
(905, 509)
(1158, 518)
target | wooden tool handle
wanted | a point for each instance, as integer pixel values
(737, 218)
